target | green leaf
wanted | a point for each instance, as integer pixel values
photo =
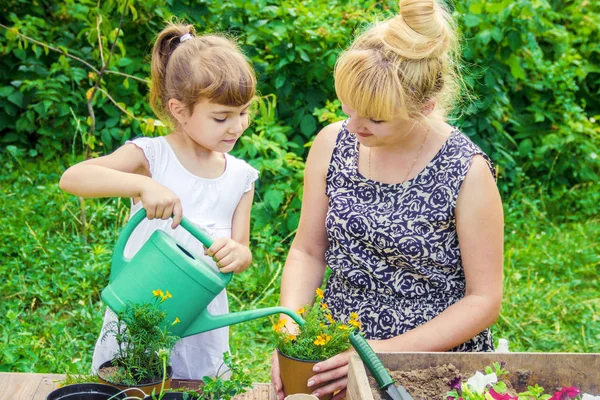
(525, 147)
(124, 61)
(274, 198)
(471, 20)
(16, 98)
(279, 81)
(515, 67)
(308, 125)
(5, 91)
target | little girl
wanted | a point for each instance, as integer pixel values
(202, 86)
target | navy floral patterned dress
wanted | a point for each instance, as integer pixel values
(393, 248)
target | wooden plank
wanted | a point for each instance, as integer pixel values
(358, 383)
(31, 386)
(48, 383)
(18, 386)
(550, 370)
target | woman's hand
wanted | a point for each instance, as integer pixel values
(334, 373)
(276, 377)
(229, 255)
(160, 202)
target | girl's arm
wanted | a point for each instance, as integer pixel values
(233, 255)
(124, 173)
(480, 226)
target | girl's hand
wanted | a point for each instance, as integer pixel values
(160, 202)
(334, 372)
(229, 255)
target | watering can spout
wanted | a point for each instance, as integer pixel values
(206, 321)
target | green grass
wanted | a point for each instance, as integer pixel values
(51, 279)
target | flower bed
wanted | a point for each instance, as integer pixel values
(429, 375)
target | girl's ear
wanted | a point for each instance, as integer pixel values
(178, 110)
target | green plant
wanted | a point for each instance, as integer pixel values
(144, 342)
(320, 338)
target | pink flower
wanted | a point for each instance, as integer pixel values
(565, 393)
(497, 396)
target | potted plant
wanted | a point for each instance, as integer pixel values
(144, 347)
(320, 338)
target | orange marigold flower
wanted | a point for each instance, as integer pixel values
(324, 306)
(320, 293)
(176, 321)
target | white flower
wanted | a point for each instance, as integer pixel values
(593, 156)
(479, 381)
(590, 397)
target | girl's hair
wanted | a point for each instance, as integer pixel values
(395, 67)
(199, 67)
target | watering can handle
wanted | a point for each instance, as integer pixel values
(119, 257)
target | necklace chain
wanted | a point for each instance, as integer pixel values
(413, 163)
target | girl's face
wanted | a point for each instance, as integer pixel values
(372, 133)
(214, 126)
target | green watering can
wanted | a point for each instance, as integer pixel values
(164, 264)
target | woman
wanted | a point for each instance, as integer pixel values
(400, 205)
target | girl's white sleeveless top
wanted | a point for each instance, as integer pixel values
(209, 203)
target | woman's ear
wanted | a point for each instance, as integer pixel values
(428, 107)
(178, 110)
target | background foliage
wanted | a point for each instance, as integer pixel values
(532, 68)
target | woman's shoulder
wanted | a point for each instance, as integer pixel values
(325, 141)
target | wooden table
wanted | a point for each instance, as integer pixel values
(24, 386)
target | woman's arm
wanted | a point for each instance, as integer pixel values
(305, 265)
(480, 226)
(124, 173)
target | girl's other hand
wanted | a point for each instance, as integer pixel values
(229, 255)
(160, 202)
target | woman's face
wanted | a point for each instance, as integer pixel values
(372, 133)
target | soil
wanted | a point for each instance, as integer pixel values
(424, 384)
(432, 383)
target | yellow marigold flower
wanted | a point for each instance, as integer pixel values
(320, 341)
(344, 327)
(157, 293)
(353, 315)
(329, 318)
(301, 311)
(355, 323)
(324, 306)
(165, 296)
(290, 338)
(326, 337)
(320, 293)
(279, 325)
(176, 321)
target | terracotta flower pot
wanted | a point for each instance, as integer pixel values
(295, 374)
(147, 388)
